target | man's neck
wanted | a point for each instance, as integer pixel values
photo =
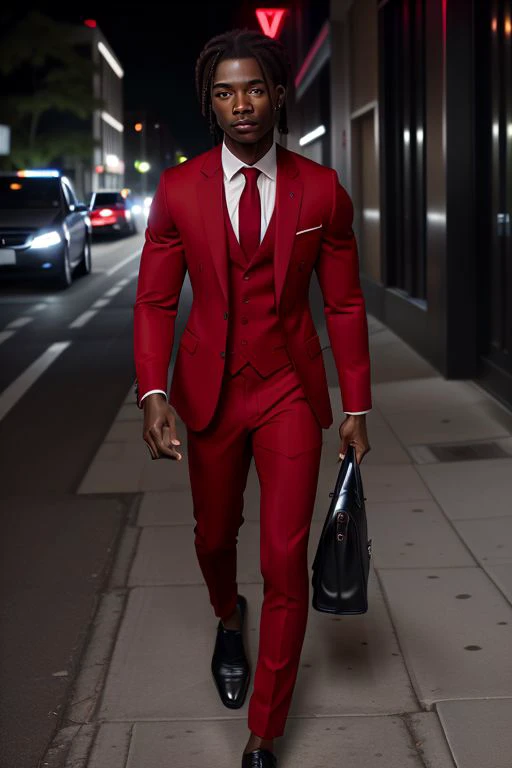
(250, 153)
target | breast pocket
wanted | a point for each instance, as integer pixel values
(306, 247)
(307, 230)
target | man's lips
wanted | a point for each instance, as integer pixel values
(241, 123)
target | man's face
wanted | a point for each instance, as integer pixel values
(242, 103)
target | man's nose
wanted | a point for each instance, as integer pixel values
(242, 104)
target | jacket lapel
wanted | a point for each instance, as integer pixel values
(210, 192)
(289, 191)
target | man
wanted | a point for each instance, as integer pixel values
(250, 221)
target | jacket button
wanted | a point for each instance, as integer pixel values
(243, 341)
(226, 315)
(223, 354)
(246, 277)
(244, 320)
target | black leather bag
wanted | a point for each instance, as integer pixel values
(342, 561)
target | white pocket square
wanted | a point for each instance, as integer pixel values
(301, 232)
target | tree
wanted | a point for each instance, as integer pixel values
(45, 77)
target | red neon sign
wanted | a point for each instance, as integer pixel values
(90, 23)
(271, 20)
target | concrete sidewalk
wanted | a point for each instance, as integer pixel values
(423, 679)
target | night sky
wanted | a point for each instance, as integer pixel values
(157, 45)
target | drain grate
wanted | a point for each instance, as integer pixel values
(468, 451)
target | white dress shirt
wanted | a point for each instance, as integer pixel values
(234, 182)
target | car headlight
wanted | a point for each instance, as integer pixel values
(46, 240)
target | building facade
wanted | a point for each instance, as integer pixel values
(411, 101)
(107, 166)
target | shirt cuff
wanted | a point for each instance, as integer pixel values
(152, 392)
(355, 413)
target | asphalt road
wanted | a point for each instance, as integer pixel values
(66, 365)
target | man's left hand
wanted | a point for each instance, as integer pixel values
(353, 432)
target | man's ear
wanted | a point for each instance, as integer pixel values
(280, 96)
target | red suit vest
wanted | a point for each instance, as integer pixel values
(255, 335)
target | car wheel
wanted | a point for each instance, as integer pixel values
(65, 273)
(84, 268)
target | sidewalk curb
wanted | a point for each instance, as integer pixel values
(72, 743)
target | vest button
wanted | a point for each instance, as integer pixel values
(246, 277)
(244, 320)
(246, 301)
(243, 341)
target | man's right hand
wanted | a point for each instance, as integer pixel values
(160, 428)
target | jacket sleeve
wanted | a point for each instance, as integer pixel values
(337, 268)
(161, 275)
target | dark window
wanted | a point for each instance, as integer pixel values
(402, 50)
(107, 198)
(69, 194)
(22, 193)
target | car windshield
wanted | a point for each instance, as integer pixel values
(107, 198)
(22, 193)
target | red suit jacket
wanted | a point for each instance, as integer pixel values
(186, 232)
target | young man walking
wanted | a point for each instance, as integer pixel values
(250, 221)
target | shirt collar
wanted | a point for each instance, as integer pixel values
(266, 164)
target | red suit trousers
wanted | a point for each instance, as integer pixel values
(270, 419)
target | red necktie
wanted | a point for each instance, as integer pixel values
(249, 213)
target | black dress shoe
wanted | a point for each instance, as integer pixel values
(259, 758)
(230, 667)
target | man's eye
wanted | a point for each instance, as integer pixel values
(256, 90)
(222, 93)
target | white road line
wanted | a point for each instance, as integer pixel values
(114, 291)
(100, 250)
(4, 335)
(39, 307)
(19, 386)
(84, 318)
(122, 263)
(20, 322)
(100, 303)
(133, 274)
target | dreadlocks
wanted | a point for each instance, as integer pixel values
(270, 54)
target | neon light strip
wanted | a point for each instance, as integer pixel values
(312, 53)
(102, 48)
(112, 121)
(312, 135)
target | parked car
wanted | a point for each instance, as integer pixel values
(112, 211)
(44, 229)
